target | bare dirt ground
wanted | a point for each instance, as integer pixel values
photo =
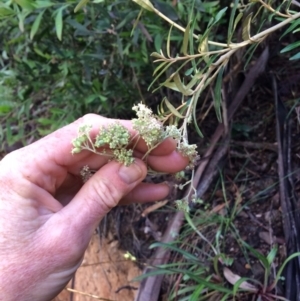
(104, 274)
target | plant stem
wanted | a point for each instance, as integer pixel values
(255, 39)
(183, 29)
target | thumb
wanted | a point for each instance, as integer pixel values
(102, 192)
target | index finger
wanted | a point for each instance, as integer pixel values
(68, 133)
(57, 147)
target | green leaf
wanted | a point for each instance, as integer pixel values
(203, 47)
(158, 39)
(26, 4)
(246, 34)
(5, 11)
(258, 255)
(185, 43)
(168, 42)
(21, 16)
(231, 27)
(271, 256)
(43, 4)
(185, 254)
(217, 93)
(146, 4)
(172, 108)
(194, 99)
(163, 67)
(291, 28)
(219, 15)
(36, 24)
(282, 268)
(236, 21)
(166, 9)
(295, 57)
(59, 22)
(180, 85)
(290, 47)
(81, 4)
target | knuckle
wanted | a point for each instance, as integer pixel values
(105, 194)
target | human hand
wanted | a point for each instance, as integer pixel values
(47, 216)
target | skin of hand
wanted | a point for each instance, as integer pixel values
(47, 215)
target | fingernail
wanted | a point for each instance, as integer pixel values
(130, 174)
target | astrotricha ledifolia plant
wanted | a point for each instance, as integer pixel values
(114, 140)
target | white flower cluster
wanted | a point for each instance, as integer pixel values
(189, 151)
(173, 132)
(117, 138)
(115, 135)
(147, 125)
(82, 139)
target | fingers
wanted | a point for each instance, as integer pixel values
(146, 192)
(171, 163)
(103, 192)
(58, 145)
(48, 161)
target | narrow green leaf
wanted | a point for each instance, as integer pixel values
(136, 22)
(168, 42)
(282, 268)
(81, 4)
(296, 30)
(236, 21)
(43, 4)
(59, 23)
(258, 255)
(21, 16)
(186, 37)
(159, 67)
(146, 4)
(185, 254)
(171, 85)
(219, 15)
(162, 71)
(295, 57)
(203, 48)
(5, 11)
(246, 34)
(271, 256)
(217, 94)
(290, 47)
(249, 54)
(172, 108)
(157, 55)
(26, 4)
(194, 80)
(196, 96)
(230, 27)
(180, 85)
(189, 71)
(36, 24)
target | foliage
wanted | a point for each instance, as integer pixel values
(94, 68)
(203, 270)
